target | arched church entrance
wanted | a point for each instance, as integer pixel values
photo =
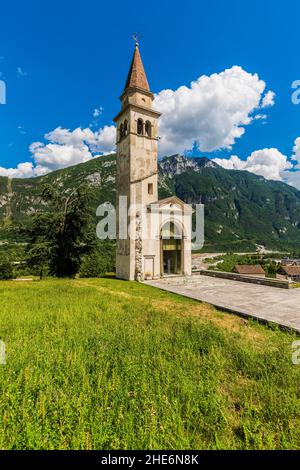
(171, 249)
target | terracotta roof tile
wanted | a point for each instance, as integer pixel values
(249, 269)
(291, 270)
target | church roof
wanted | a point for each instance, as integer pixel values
(137, 76)
(291, 270)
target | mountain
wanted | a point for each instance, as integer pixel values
(242, 210)
(177, 164)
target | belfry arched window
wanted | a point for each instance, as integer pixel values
(148, 128)
(140, 127)
(125, 128)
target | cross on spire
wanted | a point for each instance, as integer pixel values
(135, 37)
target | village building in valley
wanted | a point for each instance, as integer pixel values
(250, 270)
(289, 273)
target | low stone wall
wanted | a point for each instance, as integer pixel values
(250, 279)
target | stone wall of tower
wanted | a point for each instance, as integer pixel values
(123, 248)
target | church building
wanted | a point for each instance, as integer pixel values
(153, 236)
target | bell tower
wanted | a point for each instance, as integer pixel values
(136, 166)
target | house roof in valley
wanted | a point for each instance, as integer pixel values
(291, 270)
(249, 269)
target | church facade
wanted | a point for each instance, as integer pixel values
(153, 236)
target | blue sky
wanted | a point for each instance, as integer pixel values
(62, 60)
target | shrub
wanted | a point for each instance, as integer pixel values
(94, 265)
(6, 270)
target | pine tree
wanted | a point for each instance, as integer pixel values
(59, 234)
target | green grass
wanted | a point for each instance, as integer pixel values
(105, 364)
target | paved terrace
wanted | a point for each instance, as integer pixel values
(271, 304)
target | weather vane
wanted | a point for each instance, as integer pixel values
(135, 37)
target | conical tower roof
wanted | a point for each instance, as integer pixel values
(137, 76)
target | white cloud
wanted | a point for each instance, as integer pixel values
(68, 147)
(293, 177)
(268, 162)
(296, 150)
(64, 148)
(21, 130)
(105, 140)
(54, 156)
(23, 170)
(102, 141)
(213, 111)
(232, 163)
(261, 117)
(78, 137)
(97, 112)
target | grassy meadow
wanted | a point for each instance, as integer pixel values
(106, 364)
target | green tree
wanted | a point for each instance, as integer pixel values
(38, 256)
(271, 268)
(59, 236)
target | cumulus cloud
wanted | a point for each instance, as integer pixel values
(64, 148)
(102, 141)
(293, 177)
(296, 150)
(54, 156)
(23, 170)
(268, 99)
(268, 162)
(212, 112)
(261, 117)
